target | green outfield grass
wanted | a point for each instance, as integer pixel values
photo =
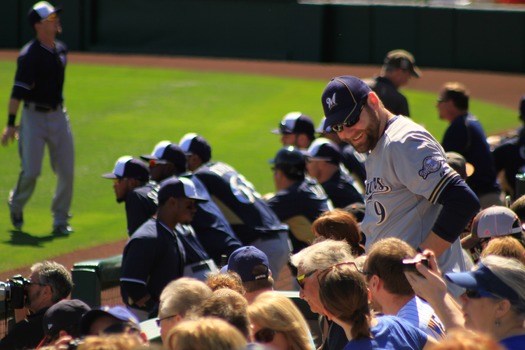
(121, 110)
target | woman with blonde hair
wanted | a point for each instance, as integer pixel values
(278, 323)
(205, 333)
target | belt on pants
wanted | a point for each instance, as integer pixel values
(42, 108)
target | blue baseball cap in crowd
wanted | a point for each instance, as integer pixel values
(181, 187)
(165, 152)
(324, 149)
(295, 123)
(127, 166)
(342, 98)
(121, 313)
(250, 263)
(192, 143)
(485, 282)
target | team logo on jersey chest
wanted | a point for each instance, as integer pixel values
(376, 185)
(431, 164)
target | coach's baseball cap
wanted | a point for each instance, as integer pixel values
(181, 187)
(40, 11)
(404, 60)
(165, 152)
(324, 149)
(296, 123)
(290, 160)
(341, 99)
(250, 263)
(127, 166)
(459, 164)
(64, 315)
(120, 313)
(192, 143)
(495, 221)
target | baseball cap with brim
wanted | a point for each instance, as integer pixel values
(165, 152)
(404, 60)
(64, 315)
(295, 123)
(250, 263)
(342, 98)
(127, 166)
(181, 187)
(192, 143)
(324, 149)
(321, 128)
(484, 281)
(495, 221)
(40, 11)
(459, 164)
(119, 312)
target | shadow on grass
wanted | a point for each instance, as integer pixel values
(21, 238)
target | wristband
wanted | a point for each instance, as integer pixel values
(11, 120)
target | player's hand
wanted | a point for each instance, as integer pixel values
(9, 133)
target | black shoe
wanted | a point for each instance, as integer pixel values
(17, 220)
(62, 230)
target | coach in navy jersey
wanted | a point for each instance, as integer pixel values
(132, 186)
(210, 225)
(252, 220)
(324, 164)
(299, 199)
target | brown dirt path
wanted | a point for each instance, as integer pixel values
(500, 88)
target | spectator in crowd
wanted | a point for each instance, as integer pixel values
(339, 225)
(358, 211)
(296, 129)
(252, 220)
(205, 333)
(211, 227)
(412, 193)
(463, 339)
(299, 200)
(178, 299)
(110, 320)
(384, 268)
(506, 246)
(253, 267)
(398, 68)
(459, 164)
(509, 157)
(131, 185)
(465, 136)
(493, 302)
(496, 221)
(344, 296)
(156, 254)
(49, 283)
(309, 262)
(323, 163)
(518, 207)
(113, 342)
(228, 279)
(230, 306)
(353, 161)
(63, 319)
(277, 323)
(39, 82)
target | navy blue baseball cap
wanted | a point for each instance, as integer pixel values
(165, 152)
(322, 128)
(296, 123)
(40, 11)
(64, 315)
(120, 313)
(341, 99)
(485, 282)
(192, 143)
(127, 166)
(181, 187)
(324, 149)
(250, 263)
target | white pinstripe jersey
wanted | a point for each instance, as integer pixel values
(406, 172)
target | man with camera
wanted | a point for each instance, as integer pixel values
(49, 283)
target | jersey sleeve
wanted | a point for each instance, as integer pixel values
(138, 210)
(25, 73)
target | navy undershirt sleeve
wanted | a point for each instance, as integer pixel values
(460, 204)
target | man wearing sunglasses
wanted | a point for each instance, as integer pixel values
(411, 191)
(44, 121)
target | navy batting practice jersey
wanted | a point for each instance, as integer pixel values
(141, 204)
(341, 191)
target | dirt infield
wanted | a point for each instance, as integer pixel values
(503, 89)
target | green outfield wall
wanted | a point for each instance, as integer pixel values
(471, 37)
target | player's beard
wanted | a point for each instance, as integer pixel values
(370, 135)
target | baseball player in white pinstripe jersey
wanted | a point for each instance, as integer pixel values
(411, 191)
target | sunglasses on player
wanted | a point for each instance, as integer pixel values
(350, 123)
